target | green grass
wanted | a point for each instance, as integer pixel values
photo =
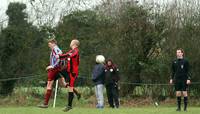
(77, 110)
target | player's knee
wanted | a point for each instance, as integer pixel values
(178, 93)
(185, 94)
(49, 84)
(61, 83)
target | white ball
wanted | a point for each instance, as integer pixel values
(100, 59)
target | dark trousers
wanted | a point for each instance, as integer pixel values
(112, 94)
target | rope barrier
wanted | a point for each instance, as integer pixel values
(88, 78)
(22, 77)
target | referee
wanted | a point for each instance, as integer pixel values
(180, 78)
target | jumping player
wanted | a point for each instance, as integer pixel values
(53, 69)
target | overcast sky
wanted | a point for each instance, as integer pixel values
(3, 7)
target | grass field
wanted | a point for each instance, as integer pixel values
(23, 101)
(144, 110)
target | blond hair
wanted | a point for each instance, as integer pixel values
(76, 42)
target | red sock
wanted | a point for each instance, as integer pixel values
(47, 96)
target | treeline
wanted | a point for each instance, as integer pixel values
(140, 39)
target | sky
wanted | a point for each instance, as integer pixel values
(3, 7)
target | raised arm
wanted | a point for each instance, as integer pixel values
(69, 54)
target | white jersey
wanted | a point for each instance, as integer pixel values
(53, 60)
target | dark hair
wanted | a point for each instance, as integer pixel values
(114, 66)
(109, 60)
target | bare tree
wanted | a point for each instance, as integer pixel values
(50, 12)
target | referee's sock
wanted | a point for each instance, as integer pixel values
(179, 103)
(185, 103)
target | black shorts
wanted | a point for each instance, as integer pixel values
(181, 86)
(64, 74)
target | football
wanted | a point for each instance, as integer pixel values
(100, 59)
